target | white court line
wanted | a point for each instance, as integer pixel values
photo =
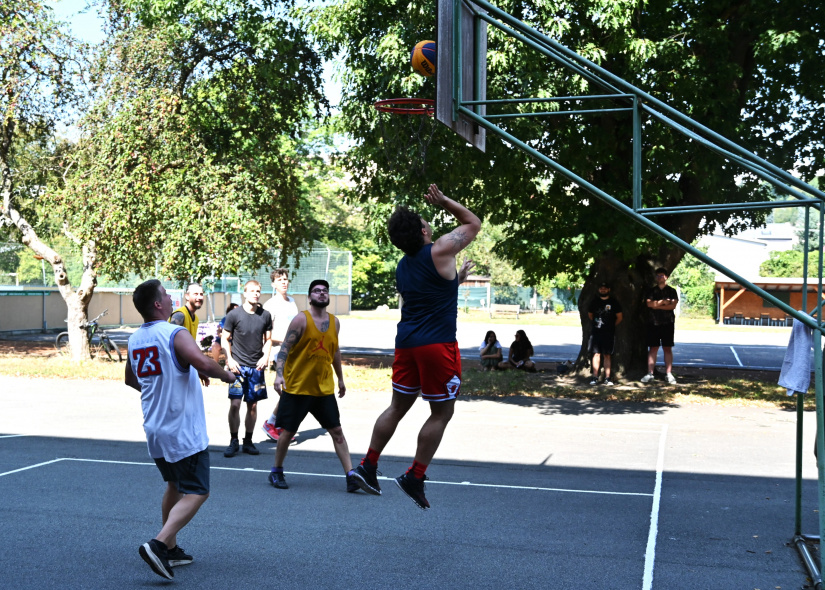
(736, 356)
(31, 467)
(456, 483)
(650, 553)
(12, 435)
(448, 483)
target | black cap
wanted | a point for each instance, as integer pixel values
(604, 284)
(317, 282)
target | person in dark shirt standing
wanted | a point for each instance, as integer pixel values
(427, 360)
(661, 300)
(246, 340)
(605, 313)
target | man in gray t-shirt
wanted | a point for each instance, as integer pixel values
(246, 340)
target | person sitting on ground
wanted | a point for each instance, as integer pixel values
(490, 352)
(216, 344)
(518, 357)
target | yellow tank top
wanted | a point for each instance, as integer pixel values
(308, 368)
(190, 324)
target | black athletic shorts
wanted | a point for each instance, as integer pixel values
(601, 342)
(294, 408)
(191, 474)
(660, 335)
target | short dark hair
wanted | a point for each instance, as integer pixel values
(231, 306)
(278, 272)
(661, 271)
(317, 282)
(404, 228)
(145, 296)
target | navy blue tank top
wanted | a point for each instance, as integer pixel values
(430, 308)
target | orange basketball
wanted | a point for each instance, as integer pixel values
(424, 58)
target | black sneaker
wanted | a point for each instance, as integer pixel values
(352, 484)
(414, 488)
(178, 556)
(250, 449)
(154, 553)
(278, 480)
(365, 477)
(232, 449)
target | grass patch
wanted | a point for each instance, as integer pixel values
(365, 374)
(59, 367)
(728, 391)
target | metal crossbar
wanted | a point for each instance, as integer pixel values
(641, 103)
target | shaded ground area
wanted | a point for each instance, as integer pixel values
(687, 375)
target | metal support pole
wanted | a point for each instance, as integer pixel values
(637, 156)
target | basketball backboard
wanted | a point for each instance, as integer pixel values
(462, 67)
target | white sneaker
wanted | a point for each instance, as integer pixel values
(608, 382)
(594, 382)
(670, 379)
(647, 378)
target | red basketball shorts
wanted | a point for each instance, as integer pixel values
(433, 370)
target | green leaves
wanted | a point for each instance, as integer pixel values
(188, 165)
(746, 71)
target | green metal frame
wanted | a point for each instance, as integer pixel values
(640, 103)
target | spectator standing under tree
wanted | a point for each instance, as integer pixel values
(490, 352)
(605, 313)
(427, 359)
(282, 308)
(661, 300)
(163, 364)
(246, 340)
(186, 315)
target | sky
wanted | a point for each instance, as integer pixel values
(86, 25)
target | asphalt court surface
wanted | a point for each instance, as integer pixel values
(526, 493)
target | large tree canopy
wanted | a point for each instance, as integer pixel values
(748, 70)
(187, 163)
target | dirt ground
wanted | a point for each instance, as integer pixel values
(685, 374)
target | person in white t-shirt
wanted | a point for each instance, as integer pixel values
(282, 308)
(490, 352)
(166, 366)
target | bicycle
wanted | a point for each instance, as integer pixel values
(99, 340)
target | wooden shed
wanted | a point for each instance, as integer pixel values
(739, 306)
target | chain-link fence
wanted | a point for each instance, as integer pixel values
(19, 267)
(525, 297)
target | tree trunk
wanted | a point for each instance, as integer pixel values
(77, 302)
(629, 281)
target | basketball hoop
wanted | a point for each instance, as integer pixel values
(407, 133)
(406, 106)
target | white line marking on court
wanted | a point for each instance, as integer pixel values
(108, 461)
(736, 356)
(446, 483)
(30, 467)
(12, 435)
(650, 553)
(456, 483)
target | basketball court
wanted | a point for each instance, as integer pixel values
(528, 493)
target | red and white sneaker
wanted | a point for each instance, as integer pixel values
(272, 432)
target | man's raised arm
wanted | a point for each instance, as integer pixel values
(458, 239)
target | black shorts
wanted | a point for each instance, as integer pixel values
(601, 342)
(294, 408)
(191, 474)
(661, 335)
